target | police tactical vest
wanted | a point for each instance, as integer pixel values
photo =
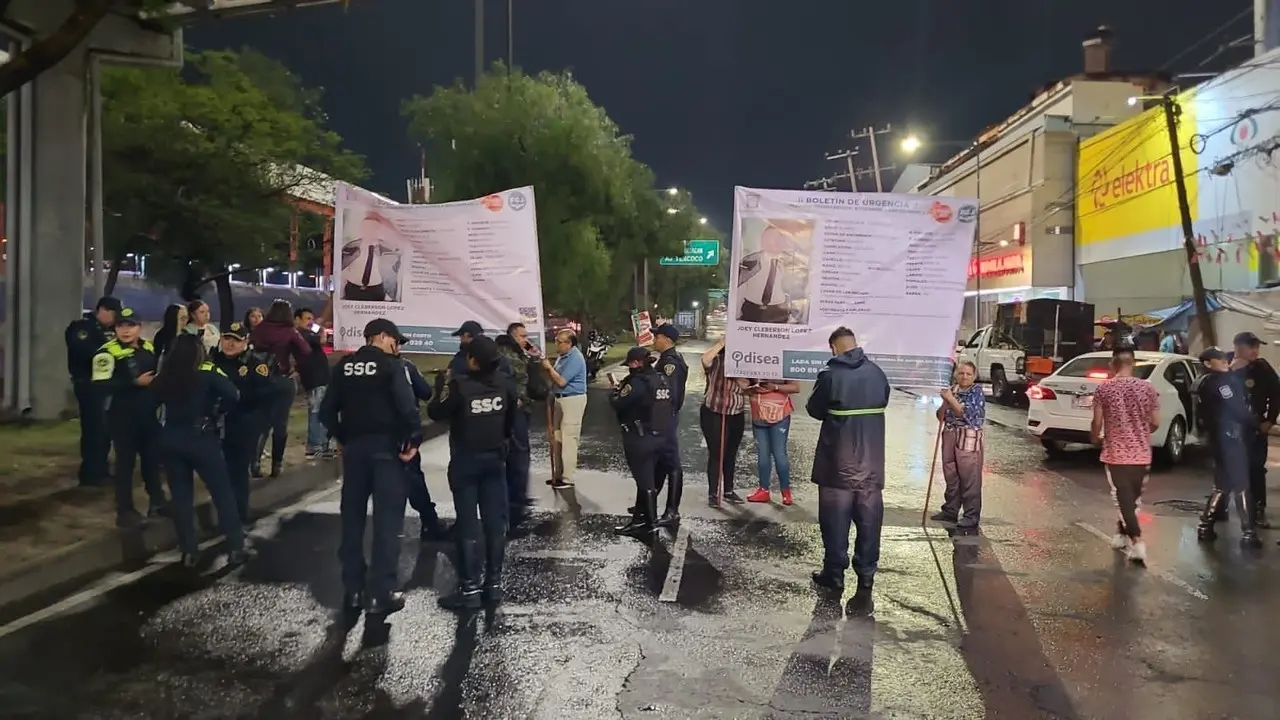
(662, 411)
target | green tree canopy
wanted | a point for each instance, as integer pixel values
(199, 170)
(599, 214)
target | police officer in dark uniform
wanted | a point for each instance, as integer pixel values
(122, 370)
(1231, 427)
(480, 408)
(370, 410)
(643, 404)
(1264, 397)
(250, 373)
(85, 336)
(671, 365)
(416, 481)
(193, 394)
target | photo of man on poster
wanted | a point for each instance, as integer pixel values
(372, 259)
(773, 275)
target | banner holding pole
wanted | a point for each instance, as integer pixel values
(430, 268)
(890, 267)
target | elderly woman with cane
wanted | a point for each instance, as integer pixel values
(963, 413)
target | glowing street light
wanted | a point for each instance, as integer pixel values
(702, 221)
(672, 211)
(910, 144)
(673, 191)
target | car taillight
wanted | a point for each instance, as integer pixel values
(1037, 392)
(1098, 375)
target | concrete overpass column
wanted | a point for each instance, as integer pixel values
(49, 273)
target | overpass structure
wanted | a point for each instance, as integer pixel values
(52, 204)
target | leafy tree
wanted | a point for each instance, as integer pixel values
(198, 173)
(47, 51)
(599, 214)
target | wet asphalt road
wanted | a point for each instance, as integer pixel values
(1035, 618)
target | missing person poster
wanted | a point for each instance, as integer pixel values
(430, 268)
(892, 268)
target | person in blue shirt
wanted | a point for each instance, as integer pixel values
(569, 382)
(963, 414)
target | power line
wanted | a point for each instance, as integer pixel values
(1213, 34)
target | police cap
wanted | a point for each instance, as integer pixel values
(126, 316)
(669, 330)
(470, 327)
(378, 326)
(484, 351)
(237, 331)
(1247, 339)
(1212, 353)
(637, 354)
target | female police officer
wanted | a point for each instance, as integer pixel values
(642, 402)
(193, 394)
(480, 407)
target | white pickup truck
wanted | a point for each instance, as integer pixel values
(999, 359)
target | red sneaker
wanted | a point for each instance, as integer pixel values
(760, 495)
(786, 497)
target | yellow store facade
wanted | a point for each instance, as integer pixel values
(1129, 245)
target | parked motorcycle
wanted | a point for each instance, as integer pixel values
(598, 345)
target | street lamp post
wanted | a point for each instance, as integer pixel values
(910, 145)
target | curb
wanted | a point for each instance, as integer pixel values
(990, 420)
(26, 587)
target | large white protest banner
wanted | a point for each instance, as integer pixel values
(889, 267)
(430, 268)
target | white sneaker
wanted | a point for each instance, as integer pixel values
(1138, 553)
(1119, 541)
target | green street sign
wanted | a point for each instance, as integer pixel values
(696, 252)
(717, 294)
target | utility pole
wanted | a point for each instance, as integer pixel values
(870, 134)
(511, 34)
(479, 41)
(847, 156)
(1171, 113)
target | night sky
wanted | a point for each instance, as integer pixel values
(720, 93)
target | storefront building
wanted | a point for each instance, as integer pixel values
(1023, 173)
(1129, 238)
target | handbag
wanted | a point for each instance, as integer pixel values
(771, 407)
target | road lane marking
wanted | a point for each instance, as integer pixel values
(675, 571)
(157, 563)
(1167, 577)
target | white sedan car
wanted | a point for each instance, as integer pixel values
(1061, 405)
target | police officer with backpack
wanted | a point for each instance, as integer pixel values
(480, 407)
(370, 410)
(643, 404)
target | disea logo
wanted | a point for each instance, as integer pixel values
(754, 358)
(967, 214)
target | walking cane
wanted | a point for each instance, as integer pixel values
(933, 467)
(724, 429)
(551, 435)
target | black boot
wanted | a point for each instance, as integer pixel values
(467, 596)
(392, 602)
(1260, 516)
(1244, 508)
(1213, 506)
(644, 519)
(861, 604)
(675, 491)
(495, 553)
(276, 466)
